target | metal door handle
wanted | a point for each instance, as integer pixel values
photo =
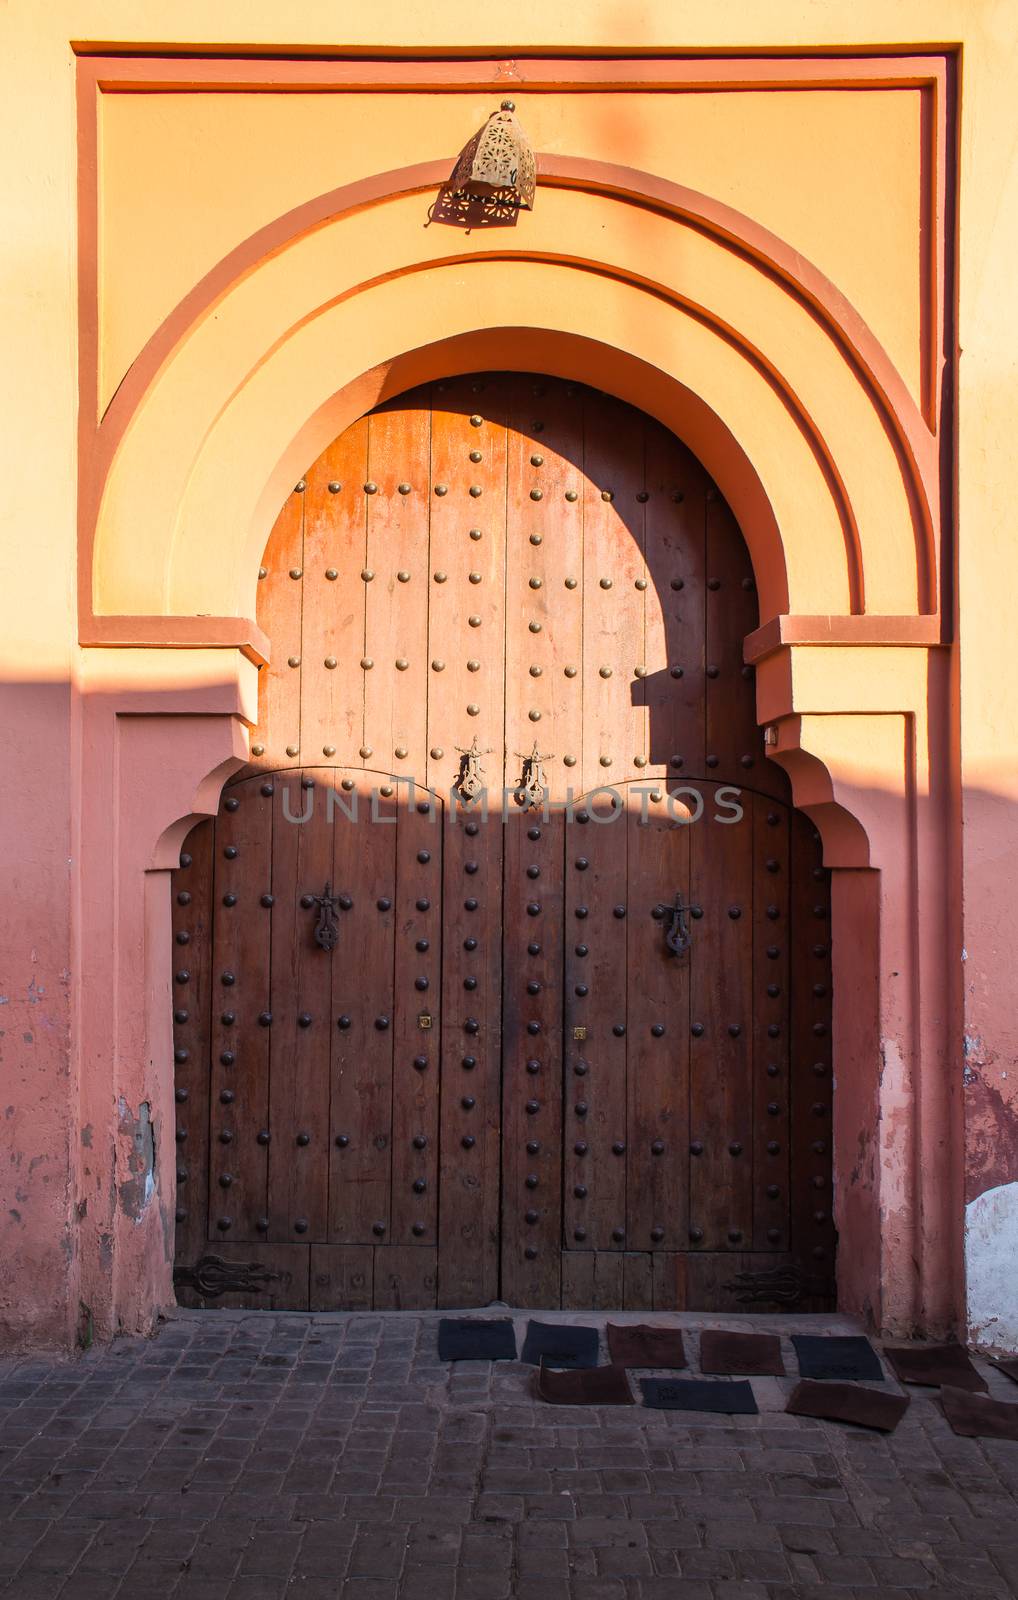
(676, 929)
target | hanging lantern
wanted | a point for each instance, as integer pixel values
(498, 164)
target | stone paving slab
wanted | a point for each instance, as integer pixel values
(260, 1456)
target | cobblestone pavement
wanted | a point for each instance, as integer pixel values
(252, 1456)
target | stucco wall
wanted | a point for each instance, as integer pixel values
(840, 177)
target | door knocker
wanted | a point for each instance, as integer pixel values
(470, 779)
(533, 785)
(327, 926)
(676, 929)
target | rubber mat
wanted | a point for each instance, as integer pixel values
(589, 1386)
(640, 1345)
(848, 1402)
(558, 1345)
(935, 1365)
(471, 1339)
(747, 1355)
(976, 1416)
(698, 1394)
(837, 1356)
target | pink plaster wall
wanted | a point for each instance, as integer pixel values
(38, 1112)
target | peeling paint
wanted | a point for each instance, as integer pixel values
(991, 1250)
(136, 1191)
(86, 1136)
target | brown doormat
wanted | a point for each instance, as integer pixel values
(640, 1345)
(588, 1386)
(848, 1402)
(747, 1355)
(976, 1416)
(935, 1365)
(1009, 1366)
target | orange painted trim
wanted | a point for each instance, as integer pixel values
(923, 632)
(159, 73)
(915, 445)
(177, 633)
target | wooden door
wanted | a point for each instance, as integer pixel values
(570, 1041)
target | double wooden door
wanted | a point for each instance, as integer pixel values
(504, 970)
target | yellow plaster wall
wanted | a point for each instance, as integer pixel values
(186, 177)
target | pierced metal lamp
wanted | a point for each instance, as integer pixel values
(498, 164)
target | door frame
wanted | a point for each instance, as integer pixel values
(869, 766)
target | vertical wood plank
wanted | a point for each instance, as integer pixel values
(416, 1063)
(532, 1061)
(361, 1154)
(301, 1007)
(239, 1109)
(577, 1280)
(731, 613)
(334, 595)
(771, 874)
(668, 1269)
(609, 1291)
(280, 599)
(813, 1234)
(638, 1281)
(594, 1097)
(721, 1103)
(544, 570)
(675, 555)
(396, 599)
(466, 674)
(658, 1022)
(192, 922)
(614, 715)
(471, 1050)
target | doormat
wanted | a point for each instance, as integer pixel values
(936, 1365)
(1009, 1366)
(590, 1386)
(838, 1356)
(640, 1345)
(470, 1339)
(845, 1402)
(557, 1346)
(696, 1394)
(750, 1355)
(976, 1416)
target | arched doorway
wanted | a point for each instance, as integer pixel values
(563, 1041)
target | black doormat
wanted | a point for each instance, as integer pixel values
(640, 1345)
(557, 1345)
(1009, 1366)
(589, 1386)
(848, 1402)
(936, 1365)
(698, 1394)
(471, 1339)
(976, 1416)
(748, 1355)
(837, 1356)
